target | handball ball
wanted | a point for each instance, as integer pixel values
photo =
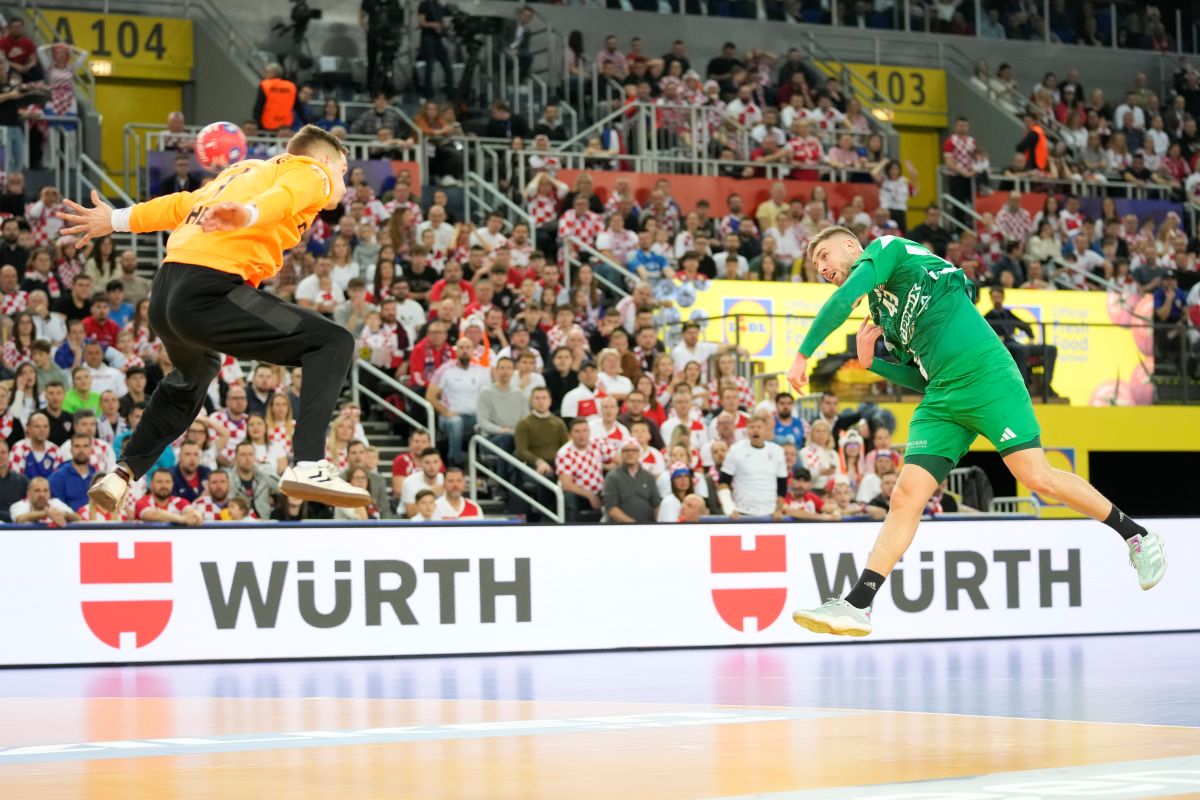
(220, 144)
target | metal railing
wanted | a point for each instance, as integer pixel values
(479, 194)
(141, 138)
(62, 145)
(476, 466)
(357, 389)
(1014, 505)
(574, 245)
(1172, 375)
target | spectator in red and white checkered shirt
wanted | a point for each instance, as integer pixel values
(1012, 221)
(580, 465)
(611, 54)
(542, 196)
(159, 506)
(579, 223)
(958, 157)
(12, 299)
(42, 216)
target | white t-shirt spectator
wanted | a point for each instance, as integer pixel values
(310, 289)
(443, 510)
(343, 273)
(411, 317)
(579, 402)
(461, 387)
(108, 379)
(682, 356)
(22, 506)
(415, 483)
(617, 434)
(669, 508)
(756, 472)
(613, 385)
(443, 236)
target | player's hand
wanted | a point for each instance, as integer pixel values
(798, 374)
(89, 223)
(868, 335)
(228, 216)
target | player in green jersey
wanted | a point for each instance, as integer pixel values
(923, 308)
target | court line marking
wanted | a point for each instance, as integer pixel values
(286, 740)
(1145, 778)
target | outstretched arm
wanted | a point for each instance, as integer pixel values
(835, 311)
(160, 214)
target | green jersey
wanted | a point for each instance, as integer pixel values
(923, 303)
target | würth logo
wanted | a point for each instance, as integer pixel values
(101, 564)
(763, 604)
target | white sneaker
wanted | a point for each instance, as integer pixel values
(108, 493)
(1149, 557)
(319, 481)
(835, 616)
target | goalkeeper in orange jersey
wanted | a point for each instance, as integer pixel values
(226, 238)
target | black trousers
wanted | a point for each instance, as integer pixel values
(199, 313)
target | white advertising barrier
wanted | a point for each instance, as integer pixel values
(110, 596)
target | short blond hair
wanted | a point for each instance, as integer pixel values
(825, 235)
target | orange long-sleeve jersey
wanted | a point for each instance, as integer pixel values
(288, 192)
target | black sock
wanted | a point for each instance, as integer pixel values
(863, 593)
(1123, 524)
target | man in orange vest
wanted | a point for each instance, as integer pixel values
(1034, 145)
(275, 105)
(226, 238)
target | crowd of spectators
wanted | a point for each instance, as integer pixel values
(1143, 27)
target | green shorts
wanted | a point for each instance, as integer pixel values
(980, 393)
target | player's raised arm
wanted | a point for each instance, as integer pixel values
(833, 313)
(160, 214)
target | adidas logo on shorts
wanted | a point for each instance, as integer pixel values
(1007, 435)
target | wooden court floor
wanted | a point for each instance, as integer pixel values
(908, 726)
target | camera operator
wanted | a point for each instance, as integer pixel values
(431, 18)
(382, 20)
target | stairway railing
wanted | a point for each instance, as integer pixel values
(558, 515)
(357, 389)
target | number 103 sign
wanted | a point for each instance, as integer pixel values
(128, 46)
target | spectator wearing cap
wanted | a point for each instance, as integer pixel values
(582, 401)
(670, 508)
(753, 477)
(40, 507)
(802, 503)
(886, 462)
(630, 496)
(580, 466)
(135, 385)
(1170, 303)
(72, 479)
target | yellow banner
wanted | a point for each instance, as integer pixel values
(128, 46)
(917, 97)
(1101, 359)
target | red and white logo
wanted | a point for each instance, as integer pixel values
(767, 559)
(131, 566)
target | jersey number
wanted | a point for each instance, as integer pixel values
(196, 215)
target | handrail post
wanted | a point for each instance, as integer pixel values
(472, 471)
(354, 384)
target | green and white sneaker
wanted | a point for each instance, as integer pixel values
(835, 616)
(1148, 556)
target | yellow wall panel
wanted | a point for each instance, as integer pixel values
(123, 101)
